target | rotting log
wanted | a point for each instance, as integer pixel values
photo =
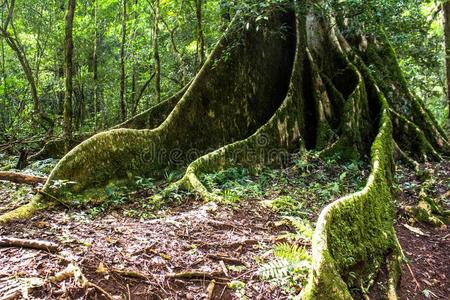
(22, 178)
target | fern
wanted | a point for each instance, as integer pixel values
(290, 253)
(276, 269)
(290, 267)
(304, 229)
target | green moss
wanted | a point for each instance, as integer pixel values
(24, 211)
(204, 118)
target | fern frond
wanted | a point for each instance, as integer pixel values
(291, 253)
(276, 269)
(303, 227)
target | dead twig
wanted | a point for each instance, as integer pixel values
(131, 274)
(198, 275)
(101, 290)
(32, 244)
(73, 270)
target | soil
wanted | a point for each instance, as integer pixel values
(132, 258)
(427, 253)
(202, 237)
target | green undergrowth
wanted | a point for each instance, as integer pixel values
(36, 168)
(135, 196)
(297, 193)
(289, 268)
(302, 188)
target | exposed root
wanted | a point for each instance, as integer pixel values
(428, 209)
(25, 211)
(408, 160)
(421, 145)
(149, 119)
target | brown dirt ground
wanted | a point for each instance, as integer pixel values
(429, 254)
(195, 236)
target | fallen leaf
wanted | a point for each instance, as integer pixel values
(101, 268)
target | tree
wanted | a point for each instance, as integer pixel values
(95, 66)
(446, 9)
(68, 72)
(156, 56)
(9, 34)
(288, 77)
(123, 103)
(200, 38)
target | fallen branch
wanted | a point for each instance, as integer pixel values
(22, 178)
(32, 244)
(131, 274)
(74, 270)
(197, 275)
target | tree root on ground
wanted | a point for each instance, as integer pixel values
(188, 275)
(429, 209)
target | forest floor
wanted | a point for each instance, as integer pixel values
(132, 247)
(428, 249)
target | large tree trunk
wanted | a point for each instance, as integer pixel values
(292, 84)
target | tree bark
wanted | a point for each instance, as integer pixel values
(123, 105)
(446, 9)
(5, 112)
(68, 72)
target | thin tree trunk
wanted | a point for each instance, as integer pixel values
(123, 106)
(156, 53)
(94, 66)
(200, 37)
(134, 76)
(446, 8)
(68, 72)
(13, 42)
(5, 112)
